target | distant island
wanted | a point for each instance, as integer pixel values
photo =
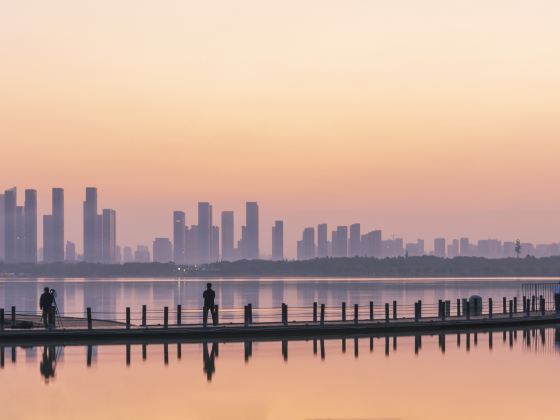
(426, 266)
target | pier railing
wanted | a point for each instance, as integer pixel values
(316, 313)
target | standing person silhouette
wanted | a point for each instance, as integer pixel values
(45, 304)
(209, 295)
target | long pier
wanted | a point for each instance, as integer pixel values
(468, 315)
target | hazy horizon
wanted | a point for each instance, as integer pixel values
(428, 119)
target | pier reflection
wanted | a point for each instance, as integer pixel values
(536, 340)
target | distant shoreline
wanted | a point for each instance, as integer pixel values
(357, 267)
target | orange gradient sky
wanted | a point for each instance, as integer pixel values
(423, 118)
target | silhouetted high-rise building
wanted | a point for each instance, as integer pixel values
(91, 247)
(278, 240)
(354, 244)
(215, 244)
(307, 246)
(20, 234)
(2, 224)
(179, 238)
(10, 204)
(30, 226)
(453, 249)
(204, 229)
(191, 238)
(161, 250)
(227, 236)
(372, 244)
(340, 242)
(127, 255)
(109, 236)
(142, 254)
(464, 247)
(58, 224)
(70, 252)
(439, 247)
(322, 241)
(251, 239)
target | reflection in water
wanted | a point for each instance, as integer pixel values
(534, 340)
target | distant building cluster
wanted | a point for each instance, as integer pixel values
(206, 242)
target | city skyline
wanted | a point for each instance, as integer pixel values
(211, 234)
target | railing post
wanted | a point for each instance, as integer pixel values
(246, 315)
(442, 309)
(447, 308)
(504, 304)
(165, 317)
(394, 309)
(356, 308)
(511, 308)
(439, 308)
(490, 308)
(343, 311)
(528, 308)
(144, 315)
(458, 307)
(179, 307)
(89, 321)
(416, 311)
(314, 311)
(386, 312)
(13, 316)
(1, 317)
(127, 318)
(371, 311)
(285, 314)
(515, 304)
(322, 314)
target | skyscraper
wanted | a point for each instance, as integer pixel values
(340, 242)
(30, 226)
(354, 244)
(179, 238)
(372, 244)
(70, 251)
(20, 234)
(464, 247)
(58, 224)
(322, 241)
(109, 241)
(227, 236)
(2, 224)
(161, 250)
(90, 225)
(307, 246)
(439, 247)
(204, 229)
(215, 244)
(10, 204)
(251, 240)
(278, 240)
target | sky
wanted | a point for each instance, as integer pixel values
(424, 119)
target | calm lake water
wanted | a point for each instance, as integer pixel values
(512, 374)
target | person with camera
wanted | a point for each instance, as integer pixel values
(46, 305)
(209, 295)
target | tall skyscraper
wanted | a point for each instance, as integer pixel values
(70, 252)
(179, 238)
(30, 226)
(354, 244)
(251, 240)
(20, 234)
(322, 241)
(109, 235)
(227, 236)
(204, 232)
(372, 244)
(10, 204)
(161, 250)
(278, 241)
(439, 247)
(340, 242)
(90, 226)
(464, 247)
(58, 224)
(2, 224)
(127, 255)
(215, 244)
(307, 244)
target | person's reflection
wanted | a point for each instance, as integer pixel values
(48, 363)
(208, 360)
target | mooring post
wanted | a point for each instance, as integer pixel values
(386, 312)
(322, 314)
(314, 311)
(448, 308)
(515, 304)
(1, 319)
(178, 314)
(343, 311)
(355, 313)
(13, 316)
(416, 311)
(394, 309)
(504, 301)
(127, 318)
(468, 309)
(465, 306)
(89, 322)
(144, 311)
(165, 317)
(442, 309)
(458, 307)
(510, 308)
(371, 311)
(490, 308)
(528, 308)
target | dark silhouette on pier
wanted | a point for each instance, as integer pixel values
(46, 306)
(209, 296)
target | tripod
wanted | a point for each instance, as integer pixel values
(57, 317)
